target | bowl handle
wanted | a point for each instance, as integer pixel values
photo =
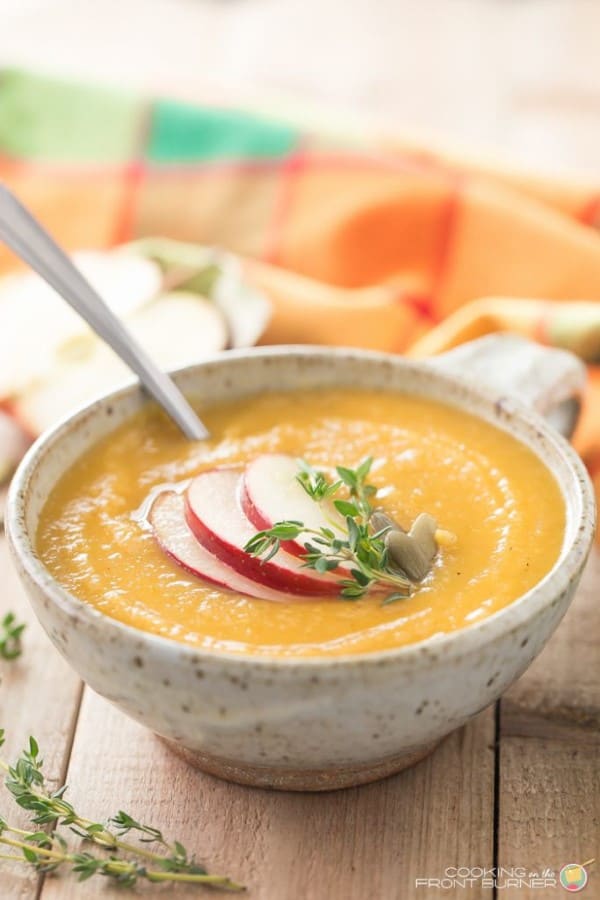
(548, 380)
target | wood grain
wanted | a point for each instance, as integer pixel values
(363, 842)
(39, 695)
(549, 807)
(549, 765)
(564, 682)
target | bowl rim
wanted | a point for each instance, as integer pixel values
(459, 642)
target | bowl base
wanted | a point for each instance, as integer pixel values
(280, 778)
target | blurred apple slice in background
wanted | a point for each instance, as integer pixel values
(14, 441)
(183, 302)
(176, 330)
(35, 321)
(216, 274)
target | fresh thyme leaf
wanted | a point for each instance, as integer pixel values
(352, 591)
(346, 508)
(30, 855)
(359, 545)
(286, 531)
(364, 468)
(354, 479)
(274, 550)
(360, 577)
(392, 598)
(180, 850)
(124, 823)
(353, 533)
(127, 863)
(348, 476)
(268, 543)
(315, 483)
(10, 637)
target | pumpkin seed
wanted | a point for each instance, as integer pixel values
(380, 520)
(413, 553)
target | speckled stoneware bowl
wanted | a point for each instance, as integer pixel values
(317, 724)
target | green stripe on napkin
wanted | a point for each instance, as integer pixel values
(61, 121)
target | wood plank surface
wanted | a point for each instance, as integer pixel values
(369, 842)
(379, 837)
(549, 765)
(39, 695)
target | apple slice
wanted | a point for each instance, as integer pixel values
(270, 493)
(175, 330)
(167, 518)
(214, 514)
(35, 322)
(14, 441)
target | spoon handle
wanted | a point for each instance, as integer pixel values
(20, 231)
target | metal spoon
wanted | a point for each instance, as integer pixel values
(20, 231)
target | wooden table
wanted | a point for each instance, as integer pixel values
(520, 785)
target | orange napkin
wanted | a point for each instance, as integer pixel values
(383, 245)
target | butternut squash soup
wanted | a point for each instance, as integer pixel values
(312, 523)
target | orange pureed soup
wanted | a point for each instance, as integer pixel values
(498, 499)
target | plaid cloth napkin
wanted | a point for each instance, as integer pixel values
(378, 245)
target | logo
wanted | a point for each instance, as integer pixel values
(573, 877)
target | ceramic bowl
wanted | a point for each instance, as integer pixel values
(317, 724)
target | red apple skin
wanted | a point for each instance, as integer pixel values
(268, 573)
(187, 568)
(269, 493)
(261, 523)
(163, 543)
(179, 544)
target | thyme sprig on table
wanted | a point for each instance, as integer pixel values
(125, 864)
(10, 637)
(356, 543)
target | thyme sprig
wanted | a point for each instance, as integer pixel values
(126, 863)
(362, 550)
(315, 483)
(10, 637)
